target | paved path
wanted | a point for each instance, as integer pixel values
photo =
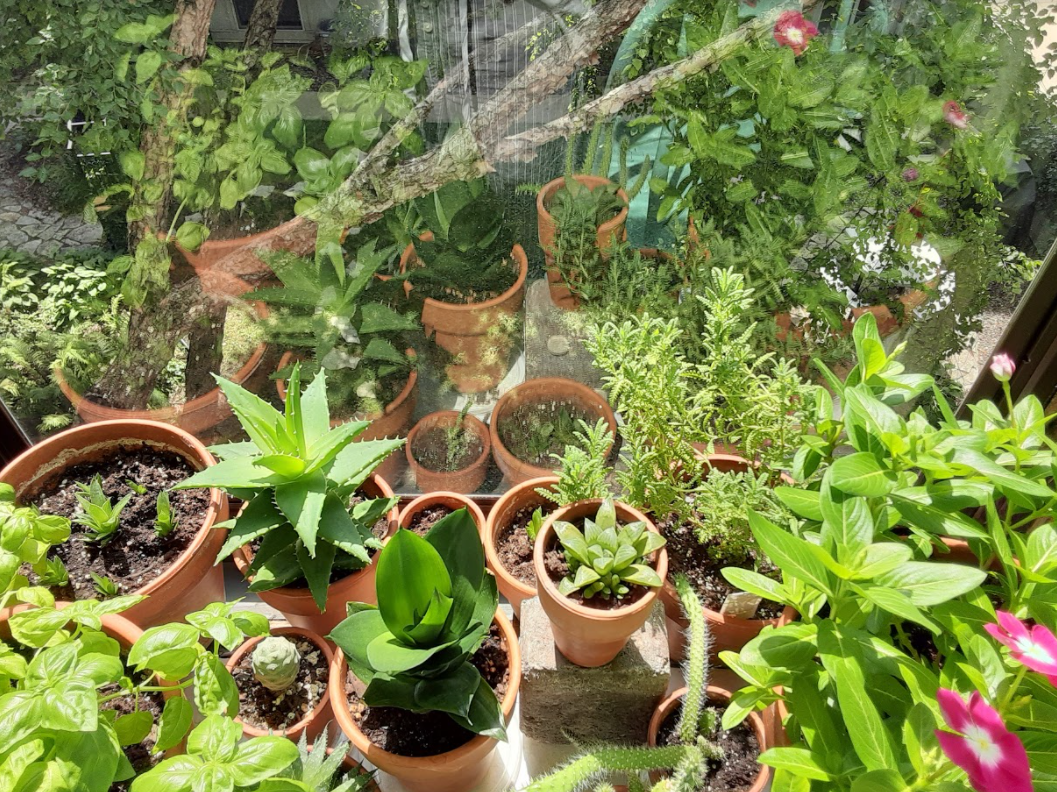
(30, 229)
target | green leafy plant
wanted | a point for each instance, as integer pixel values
(99, 515)
(104, 586)
(532, 527)
(25, 538)
(297, 475)
(723, 501)
(583, 469)
(436, 603)
(457, 439)
(607, 558)
(163, 523)
(318, 770)
(275, 662)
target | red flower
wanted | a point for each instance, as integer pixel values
(793, 31)
(955, 116)
(982, 746)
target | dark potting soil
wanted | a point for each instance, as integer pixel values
(141, 755)
(412, 734)
(738, 768)
(557, 568)
(265, 709)
(688, 555)
(537, 431)
(514, 547)
(135, 554)
(430, 450)
(424, 519)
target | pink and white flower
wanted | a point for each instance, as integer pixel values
(992, 756)
(1002, 366)
(793, 31)
(955, 116)
(1035, 648)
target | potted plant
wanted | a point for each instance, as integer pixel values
(580, 218)
(282, 680)
(131, 533)
(314, 514)
(330, 318)
(597, 584)
(429, 709)
(449, 450)
(533, 422)
(471, 280)
(425, 511)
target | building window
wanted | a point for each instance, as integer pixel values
(289, 14)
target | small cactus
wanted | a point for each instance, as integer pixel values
(275, 662)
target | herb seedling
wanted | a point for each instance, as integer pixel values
(457, 439)
(54, 573)
(163, 524)
(139, 489)
(534, 524)
(104, 586)
(100, 517)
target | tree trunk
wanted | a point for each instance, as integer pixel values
(205, 349)
(261, 31)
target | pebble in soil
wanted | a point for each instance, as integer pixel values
(427, 734)
(135, 555)
(266, 709)
(738, 769)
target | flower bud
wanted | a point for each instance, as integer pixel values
(1002, 366)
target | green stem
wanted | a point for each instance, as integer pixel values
(1006, 699)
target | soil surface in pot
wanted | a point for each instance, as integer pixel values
(140, 755)
(535, 432)
(265, 709)
(253, 215)
(423, 520)
(688, 555)
(485, 280)
(434, 450)
(738, 768)
(557, 568)
(135, 554)
(411, 734)
(514, 547)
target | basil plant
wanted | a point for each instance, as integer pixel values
(297, 475)
(436, 602)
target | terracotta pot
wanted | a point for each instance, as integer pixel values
(192, 581)
(462, 329)
(721, 697)
(510, 503)
(297, 605)
(609, 233)
(887, 322)
(453, 500)
(469, 478)
(453, 771)
(197, 416)
(312, 723)
(729, 633)
(393, 421)
(590, 637)
(209, 258)
(536, 391)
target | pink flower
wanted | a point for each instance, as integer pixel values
(983, 747)
(793, 31)
(1035, 648)
(1002, 366)
(910, 174)
(955, 116)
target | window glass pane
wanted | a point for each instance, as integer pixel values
(289, 14)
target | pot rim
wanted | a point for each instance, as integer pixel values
(588, 180)
(372, 753)
(317, 640)
(441, 498)
(433, 419)
(543, 580)
(243, 556)
(199, 457)
(492, 528)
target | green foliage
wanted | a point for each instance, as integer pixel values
(276, 662)
(321, 771)
(532, 528)
(25, 538)
(297, 475)
(583, 469)
(104, 586)
(436, 603)
(694, 720)
(163, 523)
(98, 514)
(723, 501)
(607, 558)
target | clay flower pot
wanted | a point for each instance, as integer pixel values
(297, 605)
(453, 771)
(210, 256)
(192, 581)
(887, 322)
(469, 478)
(512, 501)
(609, 233)
(393, 421)
(313, 722)
(590, 637)
(542, 390)
(197, 416)
(720, 697)
(729, 633)
(462, 329)
(453, 500)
